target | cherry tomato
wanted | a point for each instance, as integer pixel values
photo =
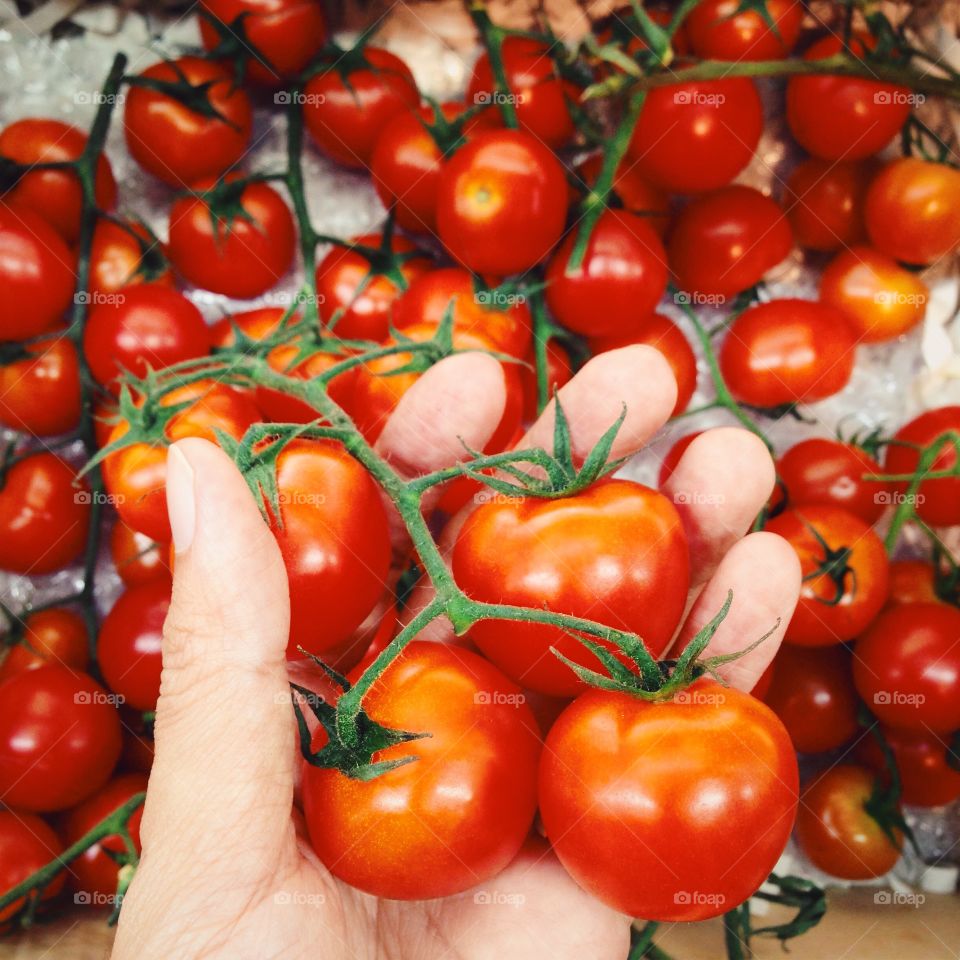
(284, 408)
(347, 106)
(724, 30)
(643, 816)
(725, 241)
(54, 635)
(241, 255)
(256, 324)
(501, 202)
(674, 455)
(912, 581)
(633, 189)
(623, 276)
(122, 255)
(44, 515)
(40, 393)
(787, 351)
(27, 845)
(179, 145)
(845, 573)
(137, 558)
(575, 555)
(59, 738)
(455, 816)
(56, 195)
(559, 372)
(835, 831)
(907, 667)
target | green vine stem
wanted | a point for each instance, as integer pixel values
(492, 37)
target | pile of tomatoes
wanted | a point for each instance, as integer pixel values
(485, 239)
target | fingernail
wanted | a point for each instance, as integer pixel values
(181, 499)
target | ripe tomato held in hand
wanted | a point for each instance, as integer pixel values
(27, 844)
(674, 456)
(55, 635)
(123, 255)
(458, 814)
(644, 818)
(615, 553)
(722, 30)
(912, 581)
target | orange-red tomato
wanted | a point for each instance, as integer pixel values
(912, 581)
(137, 558)
(27, 844)
(724, 30)
(121, 256)
(55, 635)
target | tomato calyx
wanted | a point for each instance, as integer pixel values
(224, 201)
(234, 44)
(194, 96)
(834, 565)
(153, 263)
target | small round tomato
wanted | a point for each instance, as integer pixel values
(726, 241)
(459, 812)
(844, 118)
(147, 326)
(633, 189)
(348, 104)
(240, 255)
(938, 500)
(724, 30)
(912, 581)
(913, 210)
(125, 254)
(812, 693)
(95, 872)
(831, 473)
(787, 351)
(40, 393)
(179, 145)
(845, 573)
(907, 667)
(137, 558)
(575, 555)
(44, 515)
(699, 135)
(835, 830)
(642, 815)
(674, 455)
(55, 635)
(622, 276)
(501, 202)
(36, 274)
(59, 738)
(56, 195)
(559, 372)
(27, 845)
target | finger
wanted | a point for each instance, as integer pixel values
(719, 486)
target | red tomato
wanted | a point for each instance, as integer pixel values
(724, 30)
(283, 408)
(633, 189)
(256, 324)
(844, 118)
(40, 394)
(455, 816)
(94, 873)
(27, 845)
(59, 738)
(575, 555)
(699, 135)
(643, 816)
(844, 577)
(348, 104)
(177, 144)
(122, 255)
(830, 473)
(836, 832)
(812, 693)
(501, 202)
(674, 455)
(726, 241)
(137, 558)
(145, 326)
(44, 515)
(913, 210)
(937, 501)
(36, 274)
(907, 667)
(559, 372)
(787, 351)
(56, 195)
(623, 276)
(912, 581)
(241, 256)
(54, 635)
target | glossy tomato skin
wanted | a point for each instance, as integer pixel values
(836, 832)
(118, 260)
(44, 515)
(633, 189)
(843, 118)
(26, 845)
(575, 555)
(912, 581)
(938, 500)
(282, 407)
(674, 455)
(146, 326)
(94, 873)
(831, 611)
(907, 667)
(55, 635)
(697, 136)
(642, 816)
(241, 257)
(177, 144)
(501, 203)
(622, 277)
(59, 738)
(460, 812)
(913, 210)
(40, 394)
(346, 115)
(36, 274)
(137, 558)
(787, 351)
(725, 241)
(56, 195)
(718, 30)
